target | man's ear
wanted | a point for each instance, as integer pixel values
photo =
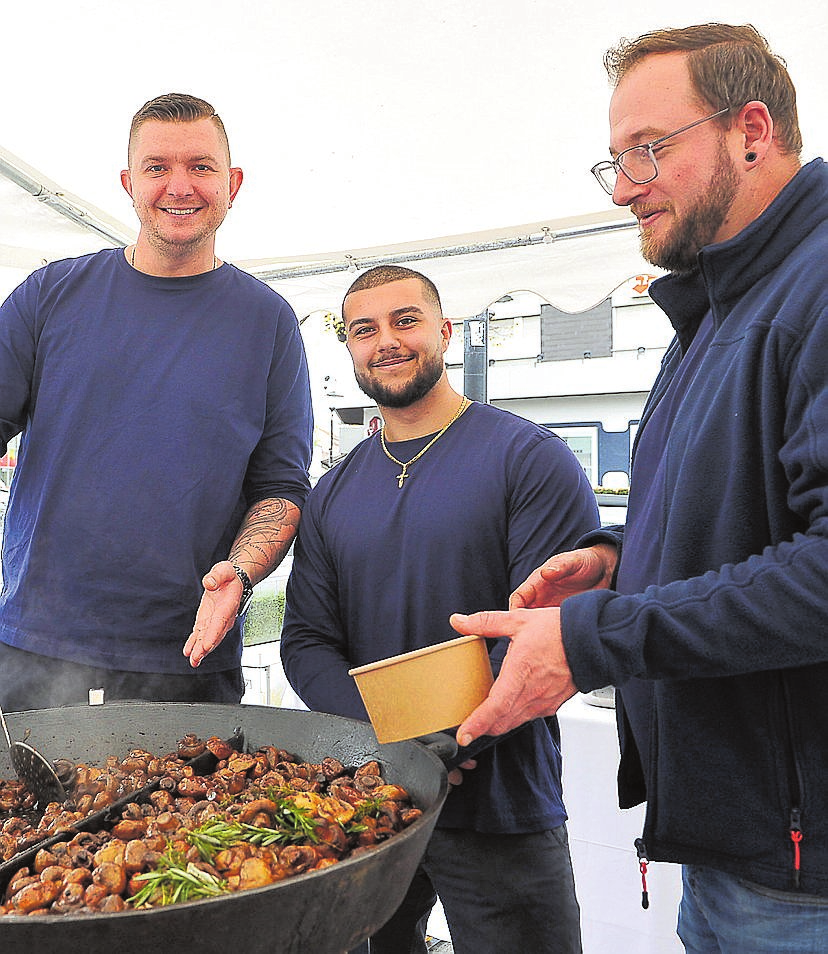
(756, 125)
(236, 176)
(446, 330)
(126, 181)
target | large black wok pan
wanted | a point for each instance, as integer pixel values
(323, 912)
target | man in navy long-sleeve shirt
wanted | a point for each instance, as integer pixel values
(165, 410)
(448, 506)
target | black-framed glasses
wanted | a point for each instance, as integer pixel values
(638, 163)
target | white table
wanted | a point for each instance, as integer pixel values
(601, 838)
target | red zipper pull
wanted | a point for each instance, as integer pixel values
(796, 838)
(643, 861)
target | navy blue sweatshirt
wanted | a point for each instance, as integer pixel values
(728, 633)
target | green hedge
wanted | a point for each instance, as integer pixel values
(263, 623)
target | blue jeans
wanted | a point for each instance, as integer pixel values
(722, 914)
(501, 894)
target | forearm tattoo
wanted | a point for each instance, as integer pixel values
(265, 535)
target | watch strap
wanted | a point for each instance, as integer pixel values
(247, 590)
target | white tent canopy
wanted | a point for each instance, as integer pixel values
(573, 263)
(368, 128)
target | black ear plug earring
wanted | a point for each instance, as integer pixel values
(751, 157)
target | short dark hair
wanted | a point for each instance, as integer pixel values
(385, 274)
(176, 108)
(729, 66)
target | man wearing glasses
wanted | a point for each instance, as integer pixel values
(710, 608)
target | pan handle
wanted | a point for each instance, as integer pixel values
(445, 747)
(441, 744)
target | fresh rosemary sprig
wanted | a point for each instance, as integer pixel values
(294, 825)
(214, 836)
(172, 883)
(369, 808)
(297, 823)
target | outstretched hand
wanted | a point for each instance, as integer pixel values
(535, 679)
(566, 574)
(216, 612)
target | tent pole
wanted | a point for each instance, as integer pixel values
(267, 274)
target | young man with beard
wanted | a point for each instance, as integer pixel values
(450, 505)
(164, 403)
(710, 609)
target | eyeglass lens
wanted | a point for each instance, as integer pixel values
(637, 163)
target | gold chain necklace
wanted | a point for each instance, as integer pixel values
(132, 260)
(406, 464)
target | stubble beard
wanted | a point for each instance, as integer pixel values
(409, 393)
(677, 251)
(174, 247)
(170, 245)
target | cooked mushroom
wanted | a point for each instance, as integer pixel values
(298, 816)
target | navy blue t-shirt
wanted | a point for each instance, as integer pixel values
(378, 570)
(154, 412)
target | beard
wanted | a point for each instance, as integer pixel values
(408, 393)
(698, 227)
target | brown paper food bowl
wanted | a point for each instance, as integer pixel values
(425, 690)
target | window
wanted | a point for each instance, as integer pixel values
(569, 336)
(583, 442)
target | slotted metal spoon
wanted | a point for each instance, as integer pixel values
(33, 769)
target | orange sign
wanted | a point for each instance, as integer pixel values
(642, 283)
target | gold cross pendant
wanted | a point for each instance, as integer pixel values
(401, 476)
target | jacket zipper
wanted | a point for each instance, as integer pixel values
(796, 791)
(796, 838)
(639, 843)
(643, 861)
